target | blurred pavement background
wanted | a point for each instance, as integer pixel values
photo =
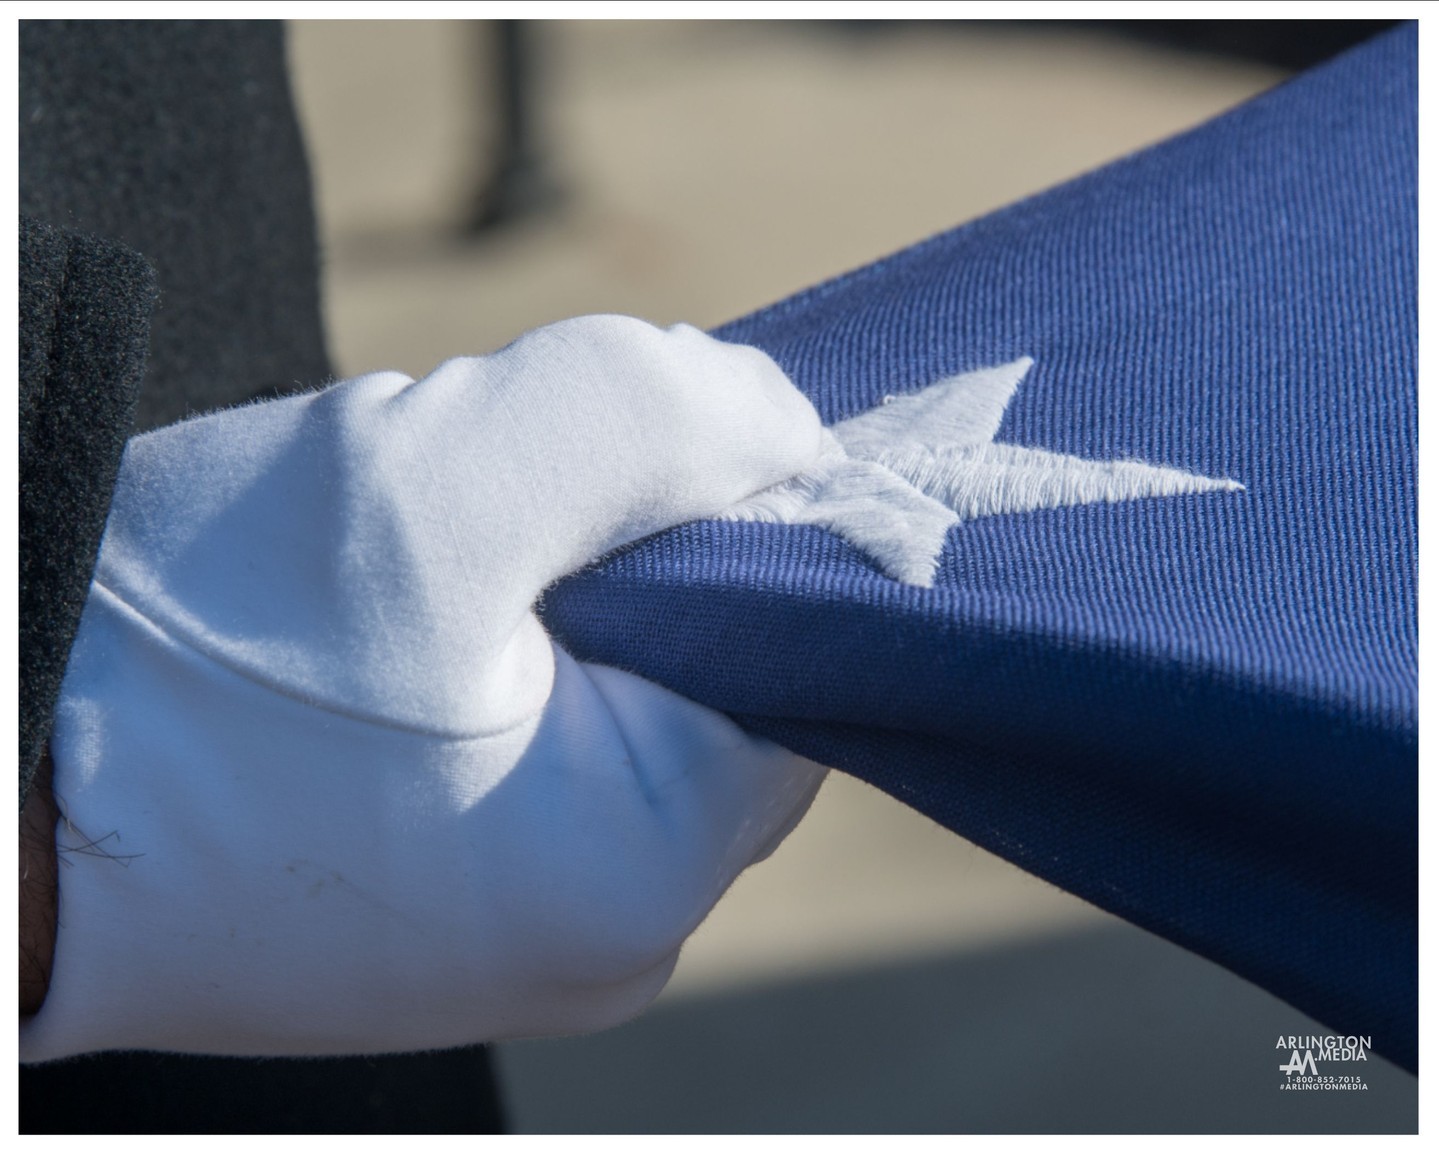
(879, 973)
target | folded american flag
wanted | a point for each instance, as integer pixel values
(1129, 594)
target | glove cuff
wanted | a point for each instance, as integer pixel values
(244, 873)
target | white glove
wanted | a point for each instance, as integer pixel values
(330, 788)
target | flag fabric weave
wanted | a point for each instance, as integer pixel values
(1196, 707)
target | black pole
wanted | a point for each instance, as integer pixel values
(518, 183)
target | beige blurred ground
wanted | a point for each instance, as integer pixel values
(708, 169)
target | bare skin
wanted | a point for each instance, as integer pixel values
(38, 890)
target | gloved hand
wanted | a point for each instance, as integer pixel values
(328, 786)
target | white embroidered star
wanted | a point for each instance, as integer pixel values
(895, 479)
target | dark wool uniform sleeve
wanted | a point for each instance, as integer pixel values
(84, 322)
(178, 139)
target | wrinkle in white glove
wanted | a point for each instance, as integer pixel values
(328, 786)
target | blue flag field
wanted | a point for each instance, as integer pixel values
(1115, 574)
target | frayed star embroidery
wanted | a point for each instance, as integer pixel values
(895, 479)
